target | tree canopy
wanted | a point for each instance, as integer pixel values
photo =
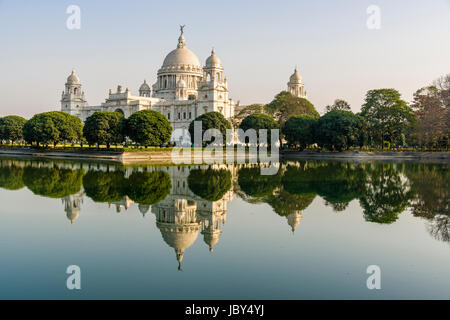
(258, 121)
(211, 120)
(338, 130)
(11, 128)
(148, 128)
(52, 127)
(338, 104)
(285, 105)
(299, 130)
(387, 115)
(104, 127)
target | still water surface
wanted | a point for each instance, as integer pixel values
(224, 232)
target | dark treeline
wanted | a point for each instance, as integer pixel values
(383, 189)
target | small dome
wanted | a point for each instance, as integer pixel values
(181, 84)
(296, 77)
(144, 87)
(73, 78)
(213, 60)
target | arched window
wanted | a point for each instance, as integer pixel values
(75, 90)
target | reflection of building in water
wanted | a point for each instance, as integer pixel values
(72, 205)
(182, 214)
(293, 219)
(124, 203)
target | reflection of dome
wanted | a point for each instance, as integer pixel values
(296, 77)
(213, 60)
(73, 78)
(294, 220)
(144, 87)
(211, 239)
(179, 237)
(72, 215)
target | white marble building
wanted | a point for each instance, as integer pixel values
(296, 86)
(183, 90)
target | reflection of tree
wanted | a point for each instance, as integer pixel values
(101, 186)
(53, 182)
(11, 177)
(209, 184)
(256, 185)
(337, 183)
(147, 188)
(285, 203)
(430, 184)
(439, 227)
(386, 195)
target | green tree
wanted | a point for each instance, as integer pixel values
(432, 117)
(211, 120)
(243, 112)
(11, 128)
(209, 184)
(148, 188)
(259, 121)
(53, 182)
(338, 130)
(338, 104)
(11, 177)
(52, 127)
(148, 128)
(285, 105)
(104, 127)
(387, 115)
(105, 186)
(299, 130)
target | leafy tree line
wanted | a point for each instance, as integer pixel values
(385, 120)
(146, 128)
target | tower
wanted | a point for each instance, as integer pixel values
(213, 89)
(144, 90)
(72, 98)
(296, 86)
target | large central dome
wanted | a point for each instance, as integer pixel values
(181, 56)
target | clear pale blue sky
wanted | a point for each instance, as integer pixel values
(259, 43)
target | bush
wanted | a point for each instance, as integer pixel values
(259, 121)
(52, 127)
(148, 128)
(104, 127)
(338, 130)
(299, 130)
(11, 128)
(210, 120)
